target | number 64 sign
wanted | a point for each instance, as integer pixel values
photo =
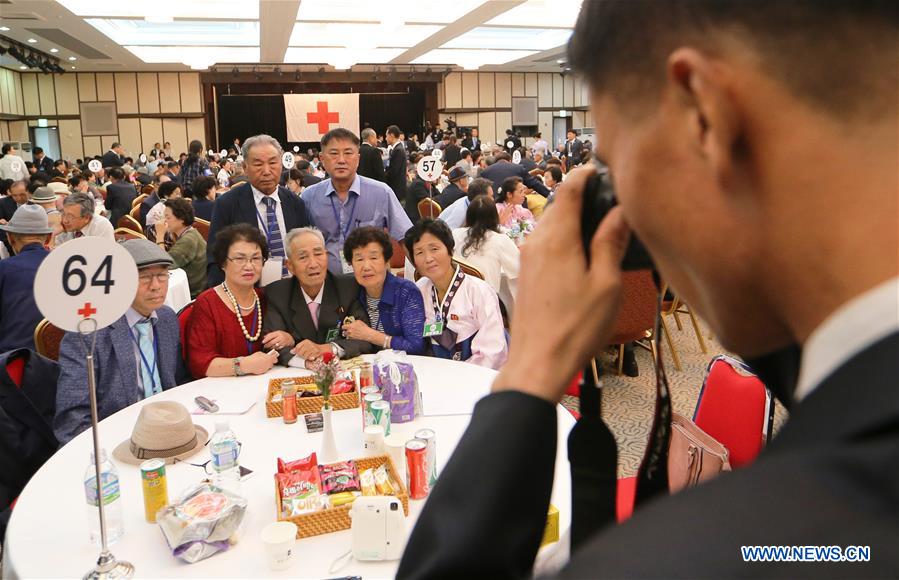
(85, 278)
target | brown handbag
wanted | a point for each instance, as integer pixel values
(694, 456)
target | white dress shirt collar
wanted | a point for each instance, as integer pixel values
(318, 297)
(258, 195)
(848, 330)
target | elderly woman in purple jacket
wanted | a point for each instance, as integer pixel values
(394, 305)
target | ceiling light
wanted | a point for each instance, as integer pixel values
(23, 67)
(31, 41)
(159, 19)
(72, 58)
(54, 50)
(560, 60)
(4, 28)
(73, 68)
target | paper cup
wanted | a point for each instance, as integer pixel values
(373, 441)
(279, 539)
(395, 444)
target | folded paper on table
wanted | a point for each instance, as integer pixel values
(436, 401)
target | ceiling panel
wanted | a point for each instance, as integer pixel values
(165, 9)
(340, 57)
(471, 59)
(510, 38)
(181, 32)
(546, 13)
(429, 11)
(350, 34)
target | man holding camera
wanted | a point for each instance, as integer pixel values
(725, 114)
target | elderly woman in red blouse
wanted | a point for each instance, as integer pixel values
(223, 336)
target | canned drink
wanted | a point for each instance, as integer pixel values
(370, 391)
(366, 408)
(289, 402)
(380, 415)
(366, 378)
(156, 491)
(430, 437)
(417, 469)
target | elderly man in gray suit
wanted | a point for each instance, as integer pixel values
(135, 357)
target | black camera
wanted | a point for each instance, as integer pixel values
(599, 199)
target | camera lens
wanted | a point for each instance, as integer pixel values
(394, 506)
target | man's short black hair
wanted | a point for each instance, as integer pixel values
(479, 186)
(393, 130)
(339, 134)
(303, 165)
(361, 237)
(436, 228)
(6, 148)
(838, 54)
(172, 164)
(166, 189)
(556, 173)
(37, 150)
(116, 173)
(242, 232)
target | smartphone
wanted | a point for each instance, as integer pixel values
(599, 199)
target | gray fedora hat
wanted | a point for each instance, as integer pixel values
(28, 219)
(146, 253)
(43, 195)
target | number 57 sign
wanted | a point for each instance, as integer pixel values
(85, 278)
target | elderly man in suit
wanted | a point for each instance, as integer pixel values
(395, 176)
(370, 163)
(504, 169)
(707, 127)
(119, 195)
(310, 307)
(115, 157)
(135, 357)
(260, 202)
(574, 150)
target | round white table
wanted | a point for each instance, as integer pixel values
(48, 532)
(178, 295)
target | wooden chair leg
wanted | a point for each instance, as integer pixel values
(698, 331)
(620, 359)
(674, 306)
(674, 356)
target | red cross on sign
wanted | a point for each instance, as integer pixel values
(87, 310)
(322, 117)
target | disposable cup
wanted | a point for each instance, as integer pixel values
(279, 539)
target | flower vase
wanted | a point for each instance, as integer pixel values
(328, 453)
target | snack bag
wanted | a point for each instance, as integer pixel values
(299, 464)
(339, 477)
(300, 486)
(382, 481)
(395, 376)
(367, 481)
(202, 522)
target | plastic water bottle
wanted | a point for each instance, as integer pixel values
(112, 500)
(225, 449)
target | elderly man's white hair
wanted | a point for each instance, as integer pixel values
(296, 233)
(257, 140)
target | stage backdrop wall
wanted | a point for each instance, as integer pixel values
(245, 115)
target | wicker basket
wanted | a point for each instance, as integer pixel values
(306, 405)
(338, 518)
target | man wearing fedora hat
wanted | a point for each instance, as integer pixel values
(457, 188)
(47, 199)
(135, 357)
(27, 233)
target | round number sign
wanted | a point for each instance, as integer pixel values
(210, 152)
(516, 157)
(437, 154)
(287, 160)
(85, 278)
(142, 158)
(296, 148)
(509, 144)
(94, 165)
(429, 168)
(223, 153)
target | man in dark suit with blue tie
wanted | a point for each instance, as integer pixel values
(260, 202)
(135, 357)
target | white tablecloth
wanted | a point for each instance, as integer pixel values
(48, 532)
(178, 295)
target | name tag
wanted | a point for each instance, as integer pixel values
(433, 329)
(333, 335)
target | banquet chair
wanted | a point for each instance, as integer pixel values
(147, 189)
(636, 318)
(128, 222)
(672, 308)
(398, 260)
(135, 213)
(139, 199)
(183, 317)
(464, 266)
(735, 408)
(428, 208)
(202, 226)
(122, 234)
(47, 338)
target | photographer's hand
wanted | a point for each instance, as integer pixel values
(564, 312)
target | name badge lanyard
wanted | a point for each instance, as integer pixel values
(264, 223)
(152, 370)
(252, 328)
(447, 338)
(346, 230)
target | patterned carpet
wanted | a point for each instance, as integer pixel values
(628, 403)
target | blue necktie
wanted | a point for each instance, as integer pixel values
(151, 382)
(275, 243)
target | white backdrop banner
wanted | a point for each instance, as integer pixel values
(311, 116)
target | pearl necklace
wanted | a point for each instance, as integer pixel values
(238, 308)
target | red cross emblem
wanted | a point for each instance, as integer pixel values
(322, 117)
(87, 310)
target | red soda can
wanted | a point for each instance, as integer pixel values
(417, 468)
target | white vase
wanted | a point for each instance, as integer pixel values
(328, 452)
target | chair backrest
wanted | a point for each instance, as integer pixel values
(122, 234)
(428, 208)
(183, 317)
(398, 260)
(638, 307)
(128, 222)
(735, 408)
(47, 338)
(135, 213)
(468, 268)
(139, 199)
(147, 189)
(202, 226)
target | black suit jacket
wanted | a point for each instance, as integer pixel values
(574, 150)
(451, 155)
(119, 196)
(516, 143)
(418, 190)
(237, 206)
(309, 179)
(829, 478)
(146, 205)
(395, 176)
(471, 143)
(501, 170)
(45, 165)
(449, 194)
(287, 310)
(370, 164)
(112, 159)
(7, 208)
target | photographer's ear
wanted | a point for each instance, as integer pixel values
(703, 93)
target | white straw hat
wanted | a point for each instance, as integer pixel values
(165, 430)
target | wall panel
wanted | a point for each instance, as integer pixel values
(470, 90)
(517, 84)
(5, 93)
(191, 101)
(151, 133)
(87, 87)
(19, 95)
(105, 87)
(29, 93)
(106, 142)
(568, 91)
(92, 147)
(66, 94)
(126, 93)
(486, 90)
(530, 85)
(503, 122)
(487, 126)
(196, 129)
(557, 91)
(169, 93)
(545, 125)
(175, 131)
(47, 94)
(545, 90)
(129, 136)
(503, 90)
(453, 86)
(70, 143)
(147, 93)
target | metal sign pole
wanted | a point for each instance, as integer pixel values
(107, 565)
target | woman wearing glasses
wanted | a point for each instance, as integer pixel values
(223, 336)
